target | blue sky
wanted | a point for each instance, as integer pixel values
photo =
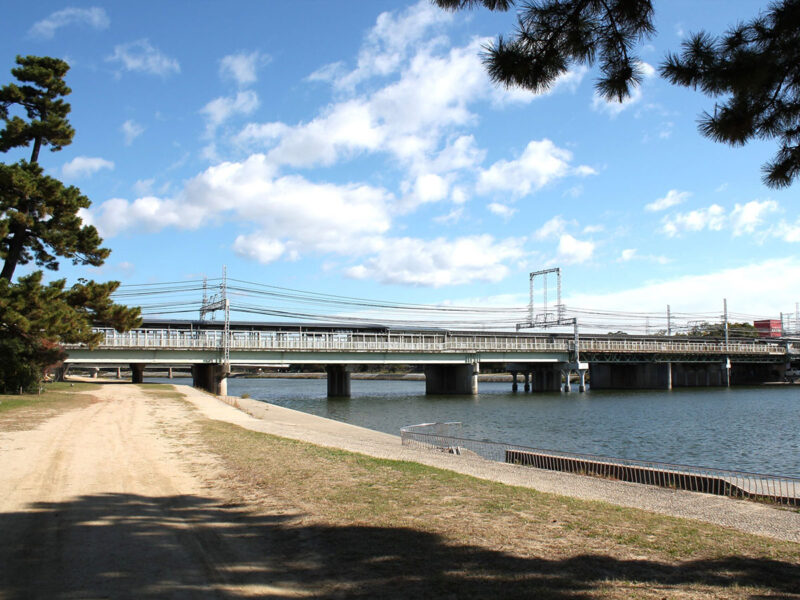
(358, 148)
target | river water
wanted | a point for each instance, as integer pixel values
(741, 428)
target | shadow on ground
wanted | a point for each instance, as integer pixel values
(129, 546)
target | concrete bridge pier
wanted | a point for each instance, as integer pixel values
(137, 372)
(119, 372)
(514, 385)
(582, 385)
(566, 373)
(211, 377)
(527, 381)
(547, 379)
(631, 376)
(338, 381)
(451, 379)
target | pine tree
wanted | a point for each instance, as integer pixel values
(39, 223)
(755, 66)
(40, 219)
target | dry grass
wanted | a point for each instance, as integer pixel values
(525, 539)
(26, 411)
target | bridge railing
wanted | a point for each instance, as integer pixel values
(415, 342)
(679, 347)
(334, 341)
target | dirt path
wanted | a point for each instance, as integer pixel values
(99, 502)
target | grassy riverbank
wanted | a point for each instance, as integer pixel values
(408, 523)
(273, 516)
(25, 411)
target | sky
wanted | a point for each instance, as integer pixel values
(358, 148)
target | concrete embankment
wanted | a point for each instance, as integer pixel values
(750, 517)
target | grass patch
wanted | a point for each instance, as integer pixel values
(619, 550)
(25, 411)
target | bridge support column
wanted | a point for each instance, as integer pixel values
(631, 376)
(514, 385)
(754, 373)
(137, 372)
(547, 379)
(169, 372)
(700, 375)
(338, 381)
(95, 372)
(119, 372)
(567, 383)
(451, 379)
(582, 386)
(210, 377)
(527, 387)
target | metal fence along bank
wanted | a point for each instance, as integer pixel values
(445, 437)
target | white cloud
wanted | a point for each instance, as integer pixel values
(409, 117)
(345, 128)
(540, 163)
(141, 56)
(242, 67)
(574, 251)
(430, 188)
(745, 218)
(94, 17)
(672, 198)
(551, 229)
(454, 216)
(387, 45)
(712, 218)
(131, 130)
(630, 254)
(83, 166)
(304, 216)
(501, 210)
(221, 109)
(627, 255)
(439, 262)
(144, 187)
(763, 288)
(258, 248)
(788, 232)
(290, 216)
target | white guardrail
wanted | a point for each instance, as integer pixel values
(415, 342)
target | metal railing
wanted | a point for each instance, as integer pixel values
(414, 342)
(444, 437)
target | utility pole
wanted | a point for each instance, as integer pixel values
(725, 316)
(205, 298)
(546, 321)
(669, 322)
(226, 345)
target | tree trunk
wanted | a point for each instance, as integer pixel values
(15, 246)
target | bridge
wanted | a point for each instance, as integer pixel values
(451, 360)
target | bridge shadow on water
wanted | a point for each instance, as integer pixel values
(130, 546)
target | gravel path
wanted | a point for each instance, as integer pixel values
(750, 517)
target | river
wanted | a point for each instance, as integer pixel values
(741, 428)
